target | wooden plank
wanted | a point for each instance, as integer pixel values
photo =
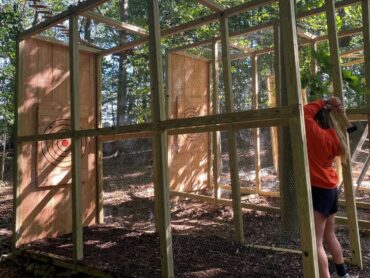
(227, 202)
(160, 140)
(75, 142)
(76, 10)
(194, 24)
(298, 138)
(336, 75)
(17, 151)
(276, 116)
(256, 131)
(319, 10)
(216, 136)
(213, 5)
(99, 145)
(229, 105)
(58, 42)
(130, 28)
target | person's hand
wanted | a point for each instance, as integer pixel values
(335, 104)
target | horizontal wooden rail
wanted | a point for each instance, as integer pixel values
(245, 119)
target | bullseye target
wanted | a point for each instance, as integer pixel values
(189, 113)
(58, 152)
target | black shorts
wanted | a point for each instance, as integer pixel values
(325, 201)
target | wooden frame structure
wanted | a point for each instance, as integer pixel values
(291, 115)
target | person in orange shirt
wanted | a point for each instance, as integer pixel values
(323, 146)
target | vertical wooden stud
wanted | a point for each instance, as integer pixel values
(160, 139)
(216, 135)
(256, 131)
(290, 71)
(229, 104)
(17, 146)
(336, 75)
(75, 141)
(99, 145)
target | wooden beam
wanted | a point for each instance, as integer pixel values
(213, 5)
(267, 117)
(64, 262)
(298, 139)
(228, 12)
(336, 76)
(253, 4)
(353, 62)
(319, 10)
(71, 11)
(341, 34)
(304, 34)
(99, 145)
(58, 42)
(223, 201)
(130, 28)
(216, 136)
(229, 106)
(256, 131)
(17, 161)
(75, 141)
(160, 140)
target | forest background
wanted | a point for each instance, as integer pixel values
(126, 90)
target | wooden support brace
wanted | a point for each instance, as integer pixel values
(256, 131)
(75, 141)
(160, 140)
(336, 76)
(298, 138)
(234, 169)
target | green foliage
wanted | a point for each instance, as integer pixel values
(318, 84)
(10, 25)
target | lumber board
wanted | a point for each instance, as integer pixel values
(298, 138)
(160, 140)
(17, 151)
(336, 76)
(216, 136)
(75, 143)
(229, 105)
(213, 5)
(256, 131)
(99, 145)
(58, 42)
(130, 28)
(222, 201)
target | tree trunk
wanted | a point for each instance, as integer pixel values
(122, 79)
(4, 157)
(87, 30)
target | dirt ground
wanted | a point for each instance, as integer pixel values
(127, 245)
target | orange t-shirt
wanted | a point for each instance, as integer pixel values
(322, 146)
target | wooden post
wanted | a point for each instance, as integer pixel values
(160, 139)
(366, 35)
(216, 135)
(336, 75)
(229, 103)
(17, 146)
(291, 74)
(99, 145)
(75, 140)
(256, 131)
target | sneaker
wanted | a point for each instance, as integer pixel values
(335, 275)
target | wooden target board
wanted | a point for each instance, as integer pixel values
(189, 154)
(45, 168)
